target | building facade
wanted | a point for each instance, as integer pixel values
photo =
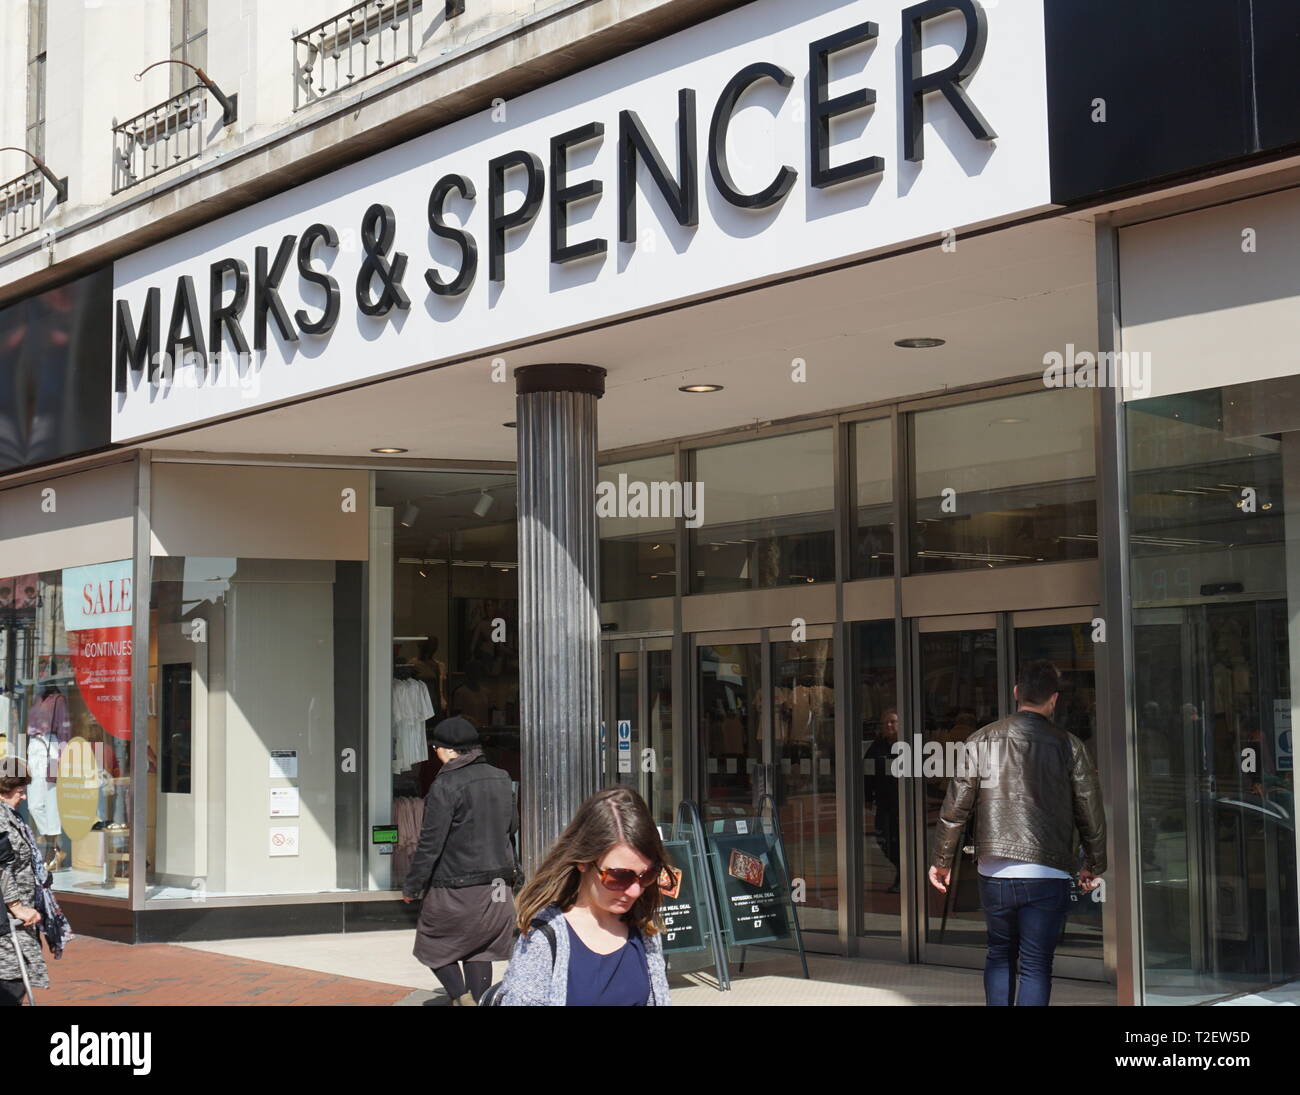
(722, 398)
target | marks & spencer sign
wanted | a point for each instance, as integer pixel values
(775, 138)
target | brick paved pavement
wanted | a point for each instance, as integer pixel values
(95, 972)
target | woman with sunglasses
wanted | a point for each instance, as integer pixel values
(587, 918)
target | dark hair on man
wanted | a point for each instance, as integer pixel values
(13, 774)
(1037, 683)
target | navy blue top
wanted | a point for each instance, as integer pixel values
(620, 979)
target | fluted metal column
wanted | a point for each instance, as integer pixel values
(559, 621)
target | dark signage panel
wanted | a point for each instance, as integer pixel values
(755, 891)
(1140, 90)
(1276, 38)
(680, 908)
(56, 372)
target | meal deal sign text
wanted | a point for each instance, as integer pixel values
(97, 609)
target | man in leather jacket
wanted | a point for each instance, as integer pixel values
(1033, 786)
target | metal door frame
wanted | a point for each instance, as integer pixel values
(764, 637)
(641, 646)
(1006, 623)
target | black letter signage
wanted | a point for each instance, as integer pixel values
(226, 316)
(440, 228)
(185, 332)
(683, 194)
(823, 109)
(378, 228)
(563, 195)
(136, 349)
(325, 324)
(499, 221)
(266, 296)
(948, 80)
(779, 187)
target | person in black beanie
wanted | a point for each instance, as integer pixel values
(464, 868)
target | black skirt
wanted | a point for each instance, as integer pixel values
(465, 925)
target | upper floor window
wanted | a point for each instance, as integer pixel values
(768, 513)
(36, 17)
(1004, 482)
(638, 546)
(189, 38)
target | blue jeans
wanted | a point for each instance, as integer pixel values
(1025, 918)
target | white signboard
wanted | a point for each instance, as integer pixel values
(283, 764)
(284, 801)
(283, 840)
(624, 745)
(749, 164)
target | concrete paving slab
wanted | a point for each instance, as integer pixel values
(385, 957)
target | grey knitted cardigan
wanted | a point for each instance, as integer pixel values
(532, 980)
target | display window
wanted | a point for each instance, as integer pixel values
(65, 709)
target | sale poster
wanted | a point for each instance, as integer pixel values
(97, 614)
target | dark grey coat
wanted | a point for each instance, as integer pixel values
(18, 883)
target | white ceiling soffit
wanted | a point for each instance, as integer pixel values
(1001, 302)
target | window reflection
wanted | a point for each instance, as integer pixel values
(1213, 567)
(1005, 482)
(638, 552)
(873, 511)
(768, 514)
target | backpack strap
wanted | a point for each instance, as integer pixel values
(549, 932)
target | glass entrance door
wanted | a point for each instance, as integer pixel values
(966, 669)
(638, 708)
(766, 717)
(960, 674)
(1215, 798)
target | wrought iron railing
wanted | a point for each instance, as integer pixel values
(159, 138)
(22, 205)
(367, 39)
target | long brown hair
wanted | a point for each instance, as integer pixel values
(614, 816)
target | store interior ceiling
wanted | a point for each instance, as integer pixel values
(1001, 301)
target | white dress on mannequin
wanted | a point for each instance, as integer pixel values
(42, 795)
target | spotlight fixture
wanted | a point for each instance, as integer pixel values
(409, 515)
(696, 389)
(919, 343)
(388, 451)
(509, 425)
(484, 503)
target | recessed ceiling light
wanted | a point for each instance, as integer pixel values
(1008, 421)
(695, 388)
(388, 451)
(919, 343)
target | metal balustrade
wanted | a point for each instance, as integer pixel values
(22, 205)
(160, 138)
(367, 39)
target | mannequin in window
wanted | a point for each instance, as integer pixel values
(49, 729)
(433, 672)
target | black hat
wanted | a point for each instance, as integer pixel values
(455, 733)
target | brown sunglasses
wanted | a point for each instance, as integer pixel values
(621, 878)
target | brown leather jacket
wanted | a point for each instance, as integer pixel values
(1034, 785)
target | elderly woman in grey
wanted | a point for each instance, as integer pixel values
(18, 884)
